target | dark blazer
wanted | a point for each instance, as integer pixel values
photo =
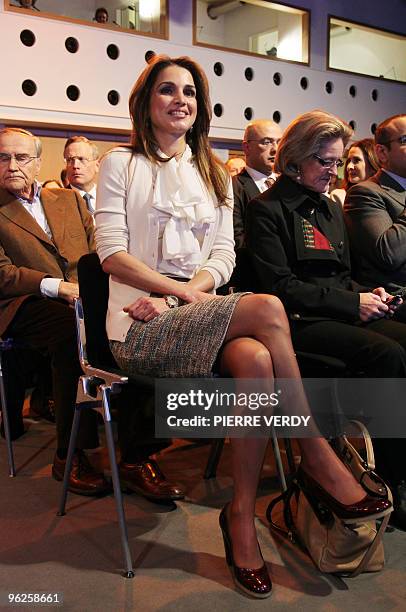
(27, 254)
(375, 216)
(244, 189)
(299, 251)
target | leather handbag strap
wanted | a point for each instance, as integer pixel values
(370, 458)
(371, 550)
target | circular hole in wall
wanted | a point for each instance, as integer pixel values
(277, 78)
(218, 68)
(113, 97)
(304, 83)
(113, 51)
(249, 74)
(277, 116)
(248, 113)
(73, 92)
(373, 128)
(374, 95)
(27, 38)
(218, 109)
(353, 124)
(149, 55)
(71, 44)
(29, 87)
(329, 87)
(352, 91)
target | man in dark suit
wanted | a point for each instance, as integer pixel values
(375, 213)
(261, 138)
(43, 233)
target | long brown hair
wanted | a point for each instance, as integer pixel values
(143, 139)
(371, 160)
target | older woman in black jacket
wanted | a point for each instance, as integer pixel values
(299, 251)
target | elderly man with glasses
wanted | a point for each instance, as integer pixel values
(43, 233)
(82, 165)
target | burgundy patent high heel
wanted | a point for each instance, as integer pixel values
(254, 582)
(368, 508)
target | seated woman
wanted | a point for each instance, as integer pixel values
(299, 251)
(165, 235)
(360, 165)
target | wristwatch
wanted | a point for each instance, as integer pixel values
(172, 301)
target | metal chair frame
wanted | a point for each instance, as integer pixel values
(94, 390)
(6, 345)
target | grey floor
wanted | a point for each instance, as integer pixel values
(177, 552)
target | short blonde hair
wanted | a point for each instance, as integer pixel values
(305, 136)
(75, 139)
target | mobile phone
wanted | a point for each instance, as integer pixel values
(396, 299)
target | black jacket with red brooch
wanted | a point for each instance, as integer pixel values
(299, 250)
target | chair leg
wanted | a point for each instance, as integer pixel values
(6, 424)
(289, 456)
(214, 458)
(69, 458)
(129, 572)
(278, 460)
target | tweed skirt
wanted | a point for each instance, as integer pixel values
(181, 342)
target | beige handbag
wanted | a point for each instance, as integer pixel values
(336, 547)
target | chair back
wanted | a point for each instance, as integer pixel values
(94, 294)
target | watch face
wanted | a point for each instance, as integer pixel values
(172, 301)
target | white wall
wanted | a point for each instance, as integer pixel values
(245, 21)
(53, 69)
(210, 31)
(352, 50)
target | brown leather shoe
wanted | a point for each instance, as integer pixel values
(147, 479)
(83, 479)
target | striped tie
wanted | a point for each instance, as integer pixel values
(88, 199)
(269, 182)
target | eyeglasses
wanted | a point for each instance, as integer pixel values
(82, 161)
(21, 159)
(329, 163)
(266, 142)
(401, 140)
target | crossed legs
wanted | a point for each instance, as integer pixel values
(258, 345)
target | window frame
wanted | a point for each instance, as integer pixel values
(365, 26)
(306, 25)
(164, 21)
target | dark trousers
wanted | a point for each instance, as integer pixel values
(378, 349)
(47, 328)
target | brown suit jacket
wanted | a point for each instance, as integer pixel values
(27, 254)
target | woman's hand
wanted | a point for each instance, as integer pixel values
(191, 296)
(146, 308)
(371, 306)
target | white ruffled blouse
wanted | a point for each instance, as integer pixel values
(185, 211)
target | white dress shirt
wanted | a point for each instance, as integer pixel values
(260, 179)
(92, 194)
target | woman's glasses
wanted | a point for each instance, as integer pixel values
(329, 163)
